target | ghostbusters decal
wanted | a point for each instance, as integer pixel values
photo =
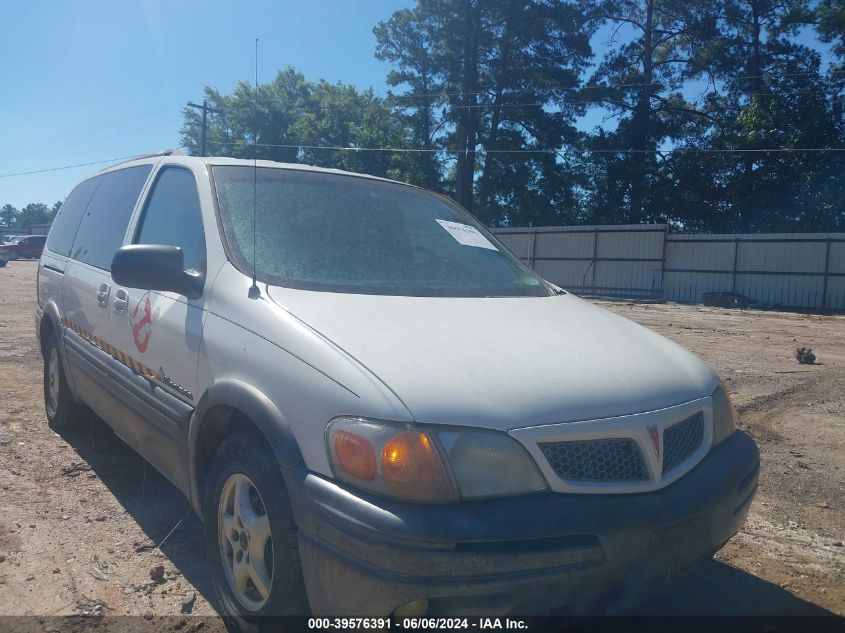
(141, 321)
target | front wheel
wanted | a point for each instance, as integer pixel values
(14, 255)
(250, 535)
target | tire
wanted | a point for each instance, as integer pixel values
(62, 410)
(13, 255)
(242, 469)
(3, 263)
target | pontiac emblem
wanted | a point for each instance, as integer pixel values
(654, 434)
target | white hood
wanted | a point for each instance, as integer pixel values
(504, 363)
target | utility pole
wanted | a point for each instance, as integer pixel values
(205, 110)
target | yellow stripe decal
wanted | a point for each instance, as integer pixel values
(118, 355)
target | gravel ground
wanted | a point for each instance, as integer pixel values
(85, 524)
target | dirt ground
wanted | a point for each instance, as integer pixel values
(84, 523)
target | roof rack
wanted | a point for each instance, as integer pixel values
(166, 152)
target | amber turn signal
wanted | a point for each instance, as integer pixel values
(355, 455)
(390, 459)
(412, 469)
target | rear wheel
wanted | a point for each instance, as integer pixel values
(62, 410)
(250, 535)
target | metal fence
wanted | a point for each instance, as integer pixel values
(791, 270)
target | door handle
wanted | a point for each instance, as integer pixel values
(103, 295)
(120, 301)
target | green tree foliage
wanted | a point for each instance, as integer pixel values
(289, 119)
(33, 213)
(641, 82)
(505, 71)
(830, 23)
(408, 40)
(710, 108)
(8, 215)
(768, 93)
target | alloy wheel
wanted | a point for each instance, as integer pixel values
(246, 543)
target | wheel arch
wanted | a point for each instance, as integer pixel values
(50, 320)
(230, 406)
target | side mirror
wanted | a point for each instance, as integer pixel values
(155, 267)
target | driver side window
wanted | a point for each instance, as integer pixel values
(172, 216)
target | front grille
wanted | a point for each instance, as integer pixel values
(596, 460)
(682, 440)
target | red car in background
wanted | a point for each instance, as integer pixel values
(27, 246)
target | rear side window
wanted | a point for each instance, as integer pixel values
(172, 216)
(67, 220)
(104, 223)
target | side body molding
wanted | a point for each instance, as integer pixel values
(256, 406)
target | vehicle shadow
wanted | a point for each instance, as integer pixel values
(155, 504)
(713, 589)
(718, 589)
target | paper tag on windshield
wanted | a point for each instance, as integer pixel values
(467, 235)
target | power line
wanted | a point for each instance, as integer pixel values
(101, 138)
(41, 171)
(692, 150)
(480, 106)
(487, 106)
(435, 95)
(548, 90)
(596, 102)
(548, 151)
(92, 127)
(796, 74)
(553, 90)
(413, 96)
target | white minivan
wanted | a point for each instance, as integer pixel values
(374, 406)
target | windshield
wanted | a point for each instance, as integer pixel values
(338, 233)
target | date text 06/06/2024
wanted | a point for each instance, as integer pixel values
(417, 623)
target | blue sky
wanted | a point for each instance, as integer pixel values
(88, 80)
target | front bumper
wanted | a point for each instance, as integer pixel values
(532, 554)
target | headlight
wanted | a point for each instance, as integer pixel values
(429, 465)
(489, 464)
(724, 415)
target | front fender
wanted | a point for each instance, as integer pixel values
(258, 408)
